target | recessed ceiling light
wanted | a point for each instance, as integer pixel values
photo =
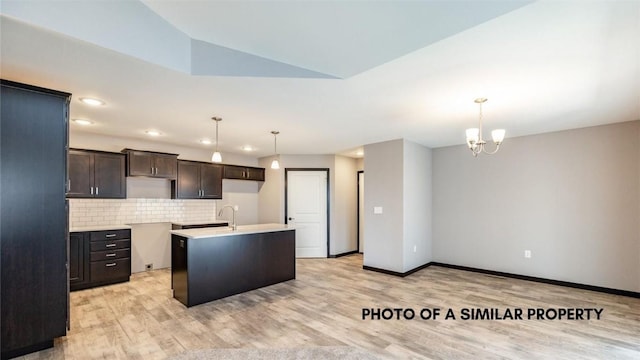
(153, 132)
(92, 101)
(205, 141)
(359, 153)
(83, 122)
(247, 148)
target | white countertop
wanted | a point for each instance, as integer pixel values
(128, 226)
(98, 228)
(226, 231)
(186, 223)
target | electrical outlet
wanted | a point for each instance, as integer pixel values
(148, 267)
(527, 254)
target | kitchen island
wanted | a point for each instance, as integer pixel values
(212, 263)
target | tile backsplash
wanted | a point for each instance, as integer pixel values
(92, 212)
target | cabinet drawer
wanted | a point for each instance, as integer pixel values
(110, 235)
(110, 255)
(110, 245)
(110, 269)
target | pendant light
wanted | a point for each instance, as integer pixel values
(275, 164)
(216, 157)
(475, 142)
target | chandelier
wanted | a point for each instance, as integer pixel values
(474, 135)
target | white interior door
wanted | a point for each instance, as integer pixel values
(361, 212)
(307, 211)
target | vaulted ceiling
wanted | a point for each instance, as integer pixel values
(330, 76)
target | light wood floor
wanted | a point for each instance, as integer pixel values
(322, 307)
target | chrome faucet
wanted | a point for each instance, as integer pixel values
(233, 219)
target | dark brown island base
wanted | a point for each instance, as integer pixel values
(213, 263)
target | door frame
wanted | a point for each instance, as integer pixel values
(286, 198)
(358, 209)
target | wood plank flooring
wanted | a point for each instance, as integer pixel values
(323, 307)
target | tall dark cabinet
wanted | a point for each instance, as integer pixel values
(33, 220)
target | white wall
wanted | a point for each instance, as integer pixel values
(244, 194)
(342, 225)
(150, 244)
(271, 194)
(83, 140)
(345, 205)
(383, 187)
(398, 179)
(571, 197)
(417, 205)
(234, 192)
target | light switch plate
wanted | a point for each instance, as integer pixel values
(377, 209)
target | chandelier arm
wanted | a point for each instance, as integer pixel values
(475, 150)
(491, 152)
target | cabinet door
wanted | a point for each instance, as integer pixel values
(188, 182)
(165, 166)
(255, 174)
(211, 181)
(33, 163)
(234, 172)
(76, 258)
(109, 179)
(140, 163)
(80, 174)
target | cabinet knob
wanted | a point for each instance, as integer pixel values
(110, 245)
(110, 264)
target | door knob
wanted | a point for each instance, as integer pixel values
(292, 218)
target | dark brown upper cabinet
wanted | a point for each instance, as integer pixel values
(96, 174)
(151, 164)
(243, 173)
(197, 180)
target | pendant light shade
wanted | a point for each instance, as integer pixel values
(216, 157)
(275, 164)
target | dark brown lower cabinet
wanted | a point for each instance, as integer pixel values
(76, 258)
(105, 258)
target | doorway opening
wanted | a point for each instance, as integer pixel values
(360, 212)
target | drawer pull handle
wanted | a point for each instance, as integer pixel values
(110, 264)
(110, 255)
(110, 235)
(111, 245)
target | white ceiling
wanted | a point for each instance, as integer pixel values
(330, 76)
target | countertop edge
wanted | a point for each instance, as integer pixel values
(220, 232)
(98, 228)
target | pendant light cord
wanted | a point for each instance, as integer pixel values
(217, 135)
